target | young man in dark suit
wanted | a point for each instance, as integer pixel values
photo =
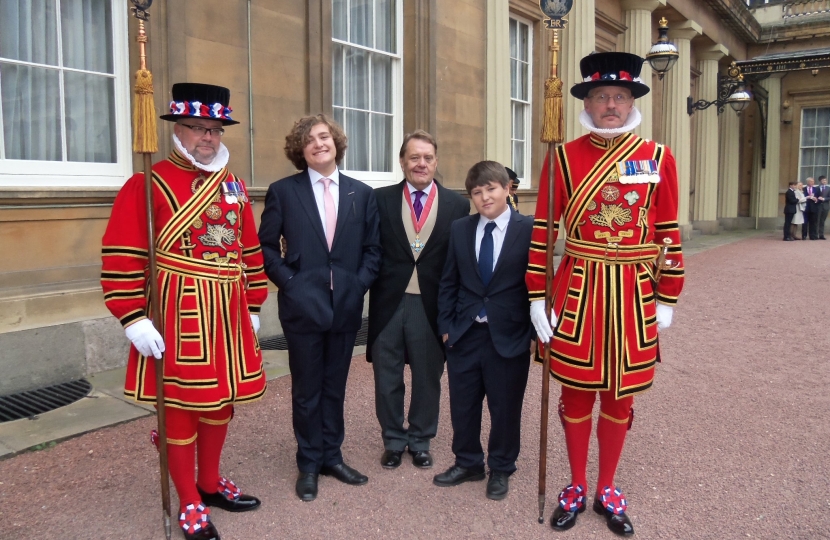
(330, 225)
(811, 213)
(790, 208)
(824, 205)
(485, 323)
(415, 219)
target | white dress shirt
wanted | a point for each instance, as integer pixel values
(319, 191)
(412, 189)
(498, 233)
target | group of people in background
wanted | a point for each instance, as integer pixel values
(807, 206)
(446, 288)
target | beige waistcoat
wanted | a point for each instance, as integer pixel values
(426, 231)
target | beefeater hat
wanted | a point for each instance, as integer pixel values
(197, 100)
(610, 69)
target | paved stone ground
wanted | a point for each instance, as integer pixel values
(730, 443)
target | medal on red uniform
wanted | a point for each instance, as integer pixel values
(233, 192)
(639, 171)
(417, 245)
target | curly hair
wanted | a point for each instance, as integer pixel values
(298, 138)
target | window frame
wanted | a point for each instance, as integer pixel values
(38, 173)
(524, 182)
(373, 178)
(801, 146)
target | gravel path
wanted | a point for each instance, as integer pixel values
(731, 442)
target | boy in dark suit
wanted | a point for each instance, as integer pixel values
(485, 324)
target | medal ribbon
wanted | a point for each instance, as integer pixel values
(419, 223)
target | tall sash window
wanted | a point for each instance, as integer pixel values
(814, 160)
(520, 96)
(63, 92)
(367, 85)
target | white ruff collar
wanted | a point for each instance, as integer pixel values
(633, 121)
(219, 161)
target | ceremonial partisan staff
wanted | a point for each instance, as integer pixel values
(553, 133)
(145, 142)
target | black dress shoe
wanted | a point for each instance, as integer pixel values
(497, 485)
(618, 523)
(220, 500)
(306, 486)
(391, 459)
(421, 459)
(345, 474)
(458, 475)
(562, 520)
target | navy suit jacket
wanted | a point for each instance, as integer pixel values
(462, 294)
(307, 303)
(812, 206)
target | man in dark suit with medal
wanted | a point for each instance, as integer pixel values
(330, 225)
(811, 213)
(415, 219)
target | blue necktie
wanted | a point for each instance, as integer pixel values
(485, 259)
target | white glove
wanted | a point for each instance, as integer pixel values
(664, 315)
(146, 338)
(544, 329)
(255, 323)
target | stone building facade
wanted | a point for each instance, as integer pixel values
(471, 72)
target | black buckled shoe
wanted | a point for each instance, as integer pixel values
(458, 475)
(306, 486)
(345, 474)
(421, 459)
(612, 504)
(391, 459)
(571, 504)
(195, 523)
(497, 486)
(228, 497)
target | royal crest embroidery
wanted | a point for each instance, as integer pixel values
(610, 193)
(198, 223)
(213, 212)
(613, 177)
(231, 217)
(592, 206)
(611, 214)
(197, 183)
(217, 235)
(631, 197)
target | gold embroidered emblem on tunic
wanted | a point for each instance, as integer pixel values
(213, 212)
(217, 235)
(592, 206)
(610, 214)
(610, 193)
(198, 223)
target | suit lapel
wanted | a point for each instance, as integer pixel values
(306, 197)
(345, 207)
(510, 237)
(471, 244)
(442, 219)
(394, 200)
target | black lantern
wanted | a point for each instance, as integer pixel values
(731, 90)
(663, 55)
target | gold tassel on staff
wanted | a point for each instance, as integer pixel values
(553, 133)
(145, 142)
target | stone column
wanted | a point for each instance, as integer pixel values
(499, 126)
(637, 40)
(578, 40)
(705, 211)
(766, 180)
(676, 125)
(729, 166)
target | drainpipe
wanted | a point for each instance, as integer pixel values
(250, 97)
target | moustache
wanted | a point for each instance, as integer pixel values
(611, 113)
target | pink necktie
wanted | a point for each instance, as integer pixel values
(331, 213)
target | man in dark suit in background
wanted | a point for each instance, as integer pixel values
(824, 205)
(790, 208)
(415, 219)
(811, 213)
(484, 319)
(330, 225)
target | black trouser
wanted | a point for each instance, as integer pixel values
(810, 225)
(475, 370)
(788, 220)
(822, 217)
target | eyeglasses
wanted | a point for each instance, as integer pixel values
(619, 99)
(200, 131)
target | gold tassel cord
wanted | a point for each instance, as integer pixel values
(553, 123)
(145, 138)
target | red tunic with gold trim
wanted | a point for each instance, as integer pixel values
(210, 276)
(603, 291)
